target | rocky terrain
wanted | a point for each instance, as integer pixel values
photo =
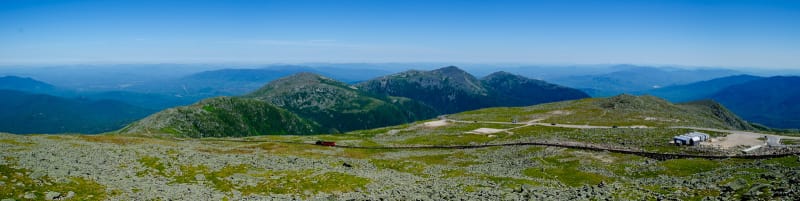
(108, 167)
(393, 163)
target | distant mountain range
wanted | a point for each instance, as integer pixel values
(325, 105)
(700, 90)
(24, 113)
(144, 100)
(26, 84)
(322, 104)
(634, 79)
(774, 101)
(240, 81)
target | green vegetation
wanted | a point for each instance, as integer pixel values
(790, 141)
(28, 113)
(789, 161)
(566, 171)
(622, 110)
(115, 139)
(217, 179)
(650, 139)
(680, 168)
(153, 165)
(338, 107)
(400, 166)
(224, 117)
(15, 142)
(509, 182)
(456, 158)
(503, 182)
(17, 182)
(305, 182)
(465, 92)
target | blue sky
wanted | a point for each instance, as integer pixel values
(728, 33)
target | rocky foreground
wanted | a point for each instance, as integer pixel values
(107, 167)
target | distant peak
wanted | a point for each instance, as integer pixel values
(449, 69)
(12, 77)
(304, 76)
(501, 74)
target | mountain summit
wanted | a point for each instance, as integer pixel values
(452, 90)
(338, 106)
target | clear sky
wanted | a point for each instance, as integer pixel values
(759, 33)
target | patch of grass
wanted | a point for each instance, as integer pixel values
(458, 158)
(400, 166)
(510, 182)
(84, 189)
(170, 130)
(452, 173)
(377, 131)
(209, 108)
(16, 143)
(363, 153)
(305, 182)
(153, 166)
(679, 168)
(650, 139)
(217, 179)
(226, 151)
(113, 139)
(790, 141)
(686, 167)
(534, 149)
(504, 182)
(369, 143)
(302, 150)
(566, 170)
(788, 161)
(460, 139)
(499, 114)
(54, 137)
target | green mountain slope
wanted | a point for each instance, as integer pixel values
(448, 89)
(774, 101)
(451, 90)
(26, 84)
(621, 110)
(700, 90)
(37, 113)
(337, 106)
(224, 117)
(514, 90)
(632, 79)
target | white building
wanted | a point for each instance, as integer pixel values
(691, 138)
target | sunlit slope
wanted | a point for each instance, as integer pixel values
(451, 90)
(622, 110)
(337, 106)
(223, 116)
